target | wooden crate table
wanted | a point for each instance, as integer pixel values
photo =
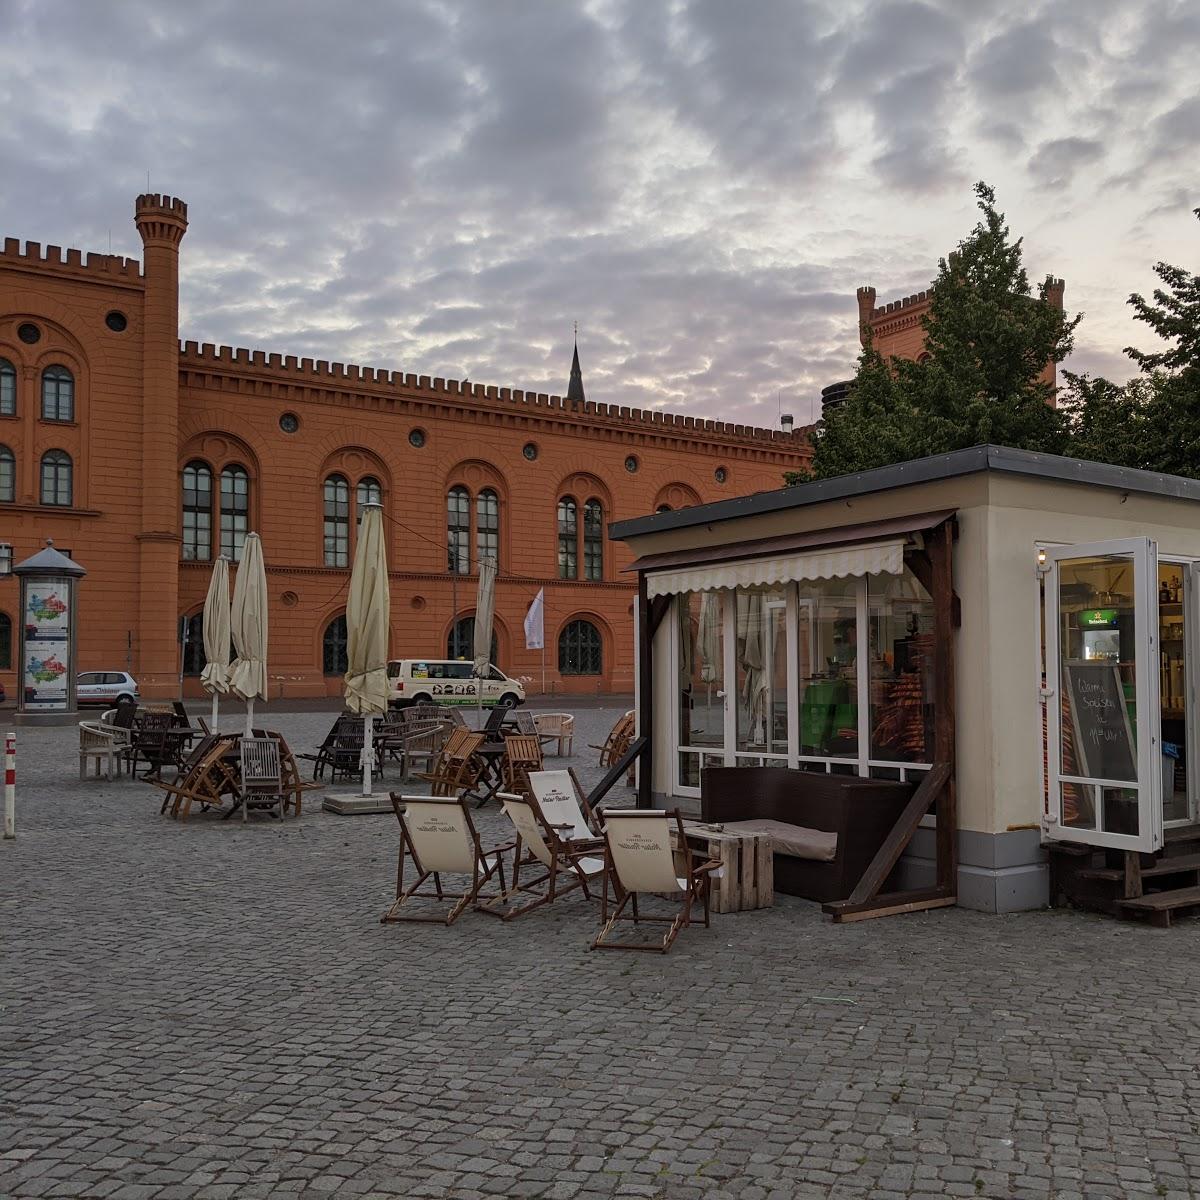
(747, 876)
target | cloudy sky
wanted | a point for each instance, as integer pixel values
(444, 186)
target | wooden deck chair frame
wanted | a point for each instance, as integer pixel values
(560, 866)
(468, 858)
(696, 880)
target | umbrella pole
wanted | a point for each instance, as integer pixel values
(213, 726)
(368, 751)
(249, 716)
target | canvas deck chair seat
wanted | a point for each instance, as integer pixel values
(438, 835)
(644, 852)
(554, 865)
(562, 803)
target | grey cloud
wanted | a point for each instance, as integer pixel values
(1055, 163)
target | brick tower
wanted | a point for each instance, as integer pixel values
(162, 222)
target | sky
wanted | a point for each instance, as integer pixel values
(446, 186)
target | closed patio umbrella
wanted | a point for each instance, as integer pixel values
(368, 617)
(750, 616)
(215, 676)
(485, 605)
(248, 625)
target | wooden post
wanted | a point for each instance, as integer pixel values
(645, 695)
(942, 555)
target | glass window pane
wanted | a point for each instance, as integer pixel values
(8, 474)
(701, 668)
(827, 667)
(901, 670)
(761, 631)
(8, 388)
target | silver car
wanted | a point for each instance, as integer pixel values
(105, 687)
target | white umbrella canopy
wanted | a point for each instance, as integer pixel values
(248, 625)
(368, 617)
(485, 605)
(215, 676)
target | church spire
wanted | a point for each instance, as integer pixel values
(575, 385)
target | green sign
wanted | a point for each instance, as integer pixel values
(1098, 618)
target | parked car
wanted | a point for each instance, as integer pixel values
(105, 687)
(450, 681)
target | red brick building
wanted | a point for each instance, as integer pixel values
(145, 458)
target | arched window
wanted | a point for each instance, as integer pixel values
(197, 512)
(5, 642)
(663, 508)
(194, 658)
(568, 538)
(337, 521)
(487, 525)
(235, 511)
(8, 389)
(458, 531)
(593, 540)
(58, 394)
(8, 474)
(333, 648)
(370, 491)
(56, 478)
(579, 649)
(461, 642)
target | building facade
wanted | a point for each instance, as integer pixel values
(145, 458)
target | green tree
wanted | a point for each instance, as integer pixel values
(988, 341)
(1107, 421)
(1174, 315)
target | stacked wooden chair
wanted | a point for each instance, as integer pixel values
(618, 742)
(522, 754)
(457, 768)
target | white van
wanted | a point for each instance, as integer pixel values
(449, 681)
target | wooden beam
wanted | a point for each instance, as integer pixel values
(894, 844)
(645, 695)
(893, 904)
(921, 565)
(941, 545)
(659, 607)
(637, 748)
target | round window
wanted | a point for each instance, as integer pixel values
(289, 422)
(117, 321)
(530, 451)
(631, 463)
(417, 438)
(720, 474)
(29, 333)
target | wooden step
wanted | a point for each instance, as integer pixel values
(1161, 906)
(1164, 866)
(1182, 833)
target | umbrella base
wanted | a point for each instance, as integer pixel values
(348, 804)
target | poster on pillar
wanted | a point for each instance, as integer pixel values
(47, 621)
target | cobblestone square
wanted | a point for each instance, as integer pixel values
(214, 1011)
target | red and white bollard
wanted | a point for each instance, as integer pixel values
(10, 785)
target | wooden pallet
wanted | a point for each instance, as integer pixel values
(747, 876)
(1160, 907)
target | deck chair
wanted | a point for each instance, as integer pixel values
(559, 865)
(522, 754)
(437, 833)
(495, 721)
(639, 857)
(617, 742)
(556, 727)
(262, 777)
(457, 769)
(562, 803)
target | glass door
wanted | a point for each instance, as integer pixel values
(701, 708)
(1105, 758)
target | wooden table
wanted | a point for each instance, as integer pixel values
(747, 876)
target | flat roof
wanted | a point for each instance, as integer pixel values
(920, 470)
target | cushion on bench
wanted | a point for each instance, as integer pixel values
(795, 840)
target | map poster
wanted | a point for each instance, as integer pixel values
(47, 642)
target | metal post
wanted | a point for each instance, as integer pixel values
(10, 785)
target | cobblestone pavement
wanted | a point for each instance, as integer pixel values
(212, 1011)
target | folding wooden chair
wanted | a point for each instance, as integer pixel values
(560, 864)
(522, 754)
(617, 742)
(209, 781)
(262, 777)
(437, 833)
(152, 741)
(524, 722)
(639, 857)
(495, 721)
(457, 768)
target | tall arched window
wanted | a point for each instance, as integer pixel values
(333, 648)
(5, 642)
(194, 658)
(487, 525)
(58, 394)
(235, 511)
(337, 521)
(458, 531)
(197, 511)
(370, 491)
(8, 474)
(568, 538)
(579, 649)
(8, 389)
(593, 540)
(461, 642)
(56, 478)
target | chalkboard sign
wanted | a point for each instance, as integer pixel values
(1104, 745)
